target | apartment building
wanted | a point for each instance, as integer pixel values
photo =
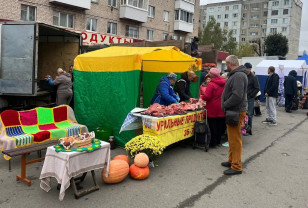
(107, 21)
(258, 19)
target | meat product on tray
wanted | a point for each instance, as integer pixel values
(174, 109)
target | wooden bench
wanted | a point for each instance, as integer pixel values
(24, 151)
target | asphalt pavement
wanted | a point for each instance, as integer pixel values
(275, 174)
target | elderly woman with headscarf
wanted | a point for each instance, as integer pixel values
(164, 92)
(63, 82)
(212, 96)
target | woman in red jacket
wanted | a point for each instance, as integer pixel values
(212, 96)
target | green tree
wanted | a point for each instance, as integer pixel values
(276, 45)
(229, 42)
(212, 34)
(244, 50)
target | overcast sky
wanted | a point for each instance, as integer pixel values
(303, 44)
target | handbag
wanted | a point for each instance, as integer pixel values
(232, 117)
(257, 103)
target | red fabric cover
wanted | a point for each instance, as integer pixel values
(212, 96)
(10, 118)
(41, 136)
(47, 126)
(28, 118)
(60, 114)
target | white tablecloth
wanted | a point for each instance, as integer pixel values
(65, 165)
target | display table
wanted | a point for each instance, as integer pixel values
(65, 165)
(169, 130)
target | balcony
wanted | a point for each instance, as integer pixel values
(134, 10)
(187, 5)
(82, 4)
(183, 26)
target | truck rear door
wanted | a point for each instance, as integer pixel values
(17, 59)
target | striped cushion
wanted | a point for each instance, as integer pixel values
(73, 130)
(14, 131)
(23, 139)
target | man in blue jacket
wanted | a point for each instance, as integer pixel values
(164, 92)
(271, 94)
(290, 89)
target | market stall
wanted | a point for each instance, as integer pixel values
(107, 82)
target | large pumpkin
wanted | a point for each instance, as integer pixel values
(139, 173)
(141, 160)
(118, 170)
(122, 157)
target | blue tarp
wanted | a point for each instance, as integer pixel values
(304, 57)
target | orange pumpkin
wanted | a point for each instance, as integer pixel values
(118, 170)
(141, 160)
(122, 157)
(139, 173)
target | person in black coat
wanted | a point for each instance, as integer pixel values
(182, 86)
(271, 94)
(290, 89)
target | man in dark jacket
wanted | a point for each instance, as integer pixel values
(234, 98)
(271, 94)
(164, 92)
(252, 91)
(182, 86)
(290, 89)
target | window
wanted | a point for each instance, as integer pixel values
(63, 20)
(150, 34)
(166, 16)
(27, 13)
(273, 30)
(219, 9)
(243, 32)
(227, 7)
(285, 20)
(234, 31)
(235, 7)
(264, 22)
(226, 24)
(165, 36)
(264, 31)
(234, 23)
(244, 15)
(226, 16)
(244, 23)
(255, 9)
(218, 16)
(254, 33)
(274, 12)
(285, 11)
(142, 4)
(112, 3)
(235, 15)
(211, 9)
(275, 3)
(245, 6)
(265, 5)
(151, 11)
(112, 28)
(265, 14)
(284, 29)
(254, 25)
(243, 40)
(131, 31)
(92, 24)
(218, 24)
(254, 16)
(211, 17)
(188, 17)
(274, 21)
(286, 2)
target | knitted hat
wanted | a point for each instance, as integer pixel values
(248, 65)
(214, 72)
(172, 76)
